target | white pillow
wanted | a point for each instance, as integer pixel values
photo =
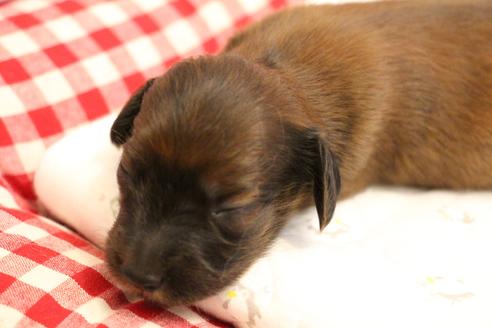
(389, 258)
(76, 180)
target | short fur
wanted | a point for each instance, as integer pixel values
(305, 105)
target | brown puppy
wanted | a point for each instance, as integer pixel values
(220, 150)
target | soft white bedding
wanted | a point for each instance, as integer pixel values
(390, 257)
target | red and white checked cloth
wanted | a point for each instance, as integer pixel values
(62, 64)
(51, 277)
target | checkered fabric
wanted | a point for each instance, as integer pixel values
(63, 64)
(51, 277)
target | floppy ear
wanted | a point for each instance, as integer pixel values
(123, 125)
(326, 186)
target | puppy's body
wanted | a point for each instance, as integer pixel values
(220, 151)
(402, 91)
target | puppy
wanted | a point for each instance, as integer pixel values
(307, 106)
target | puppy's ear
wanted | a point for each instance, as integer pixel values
(326, 186)
(123, 125)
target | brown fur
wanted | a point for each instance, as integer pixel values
(220, 150)
(403, 90)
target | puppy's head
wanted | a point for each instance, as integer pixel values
(213, 163)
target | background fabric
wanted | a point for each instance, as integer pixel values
(64, 64)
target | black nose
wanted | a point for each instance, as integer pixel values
(148, 281)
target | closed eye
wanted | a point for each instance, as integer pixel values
(227, 203)
(222, 211)
(229, 209)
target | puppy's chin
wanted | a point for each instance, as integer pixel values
(159, 297)
(131, 292)
(134, 293)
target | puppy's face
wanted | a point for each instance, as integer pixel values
(209, 174)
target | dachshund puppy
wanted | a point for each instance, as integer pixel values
(307, 106)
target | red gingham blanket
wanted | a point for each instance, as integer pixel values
(63, 64)
(50, 277)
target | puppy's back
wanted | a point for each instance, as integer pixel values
(440, 129)
(403, 90)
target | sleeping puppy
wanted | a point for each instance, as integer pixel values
(306, 107)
